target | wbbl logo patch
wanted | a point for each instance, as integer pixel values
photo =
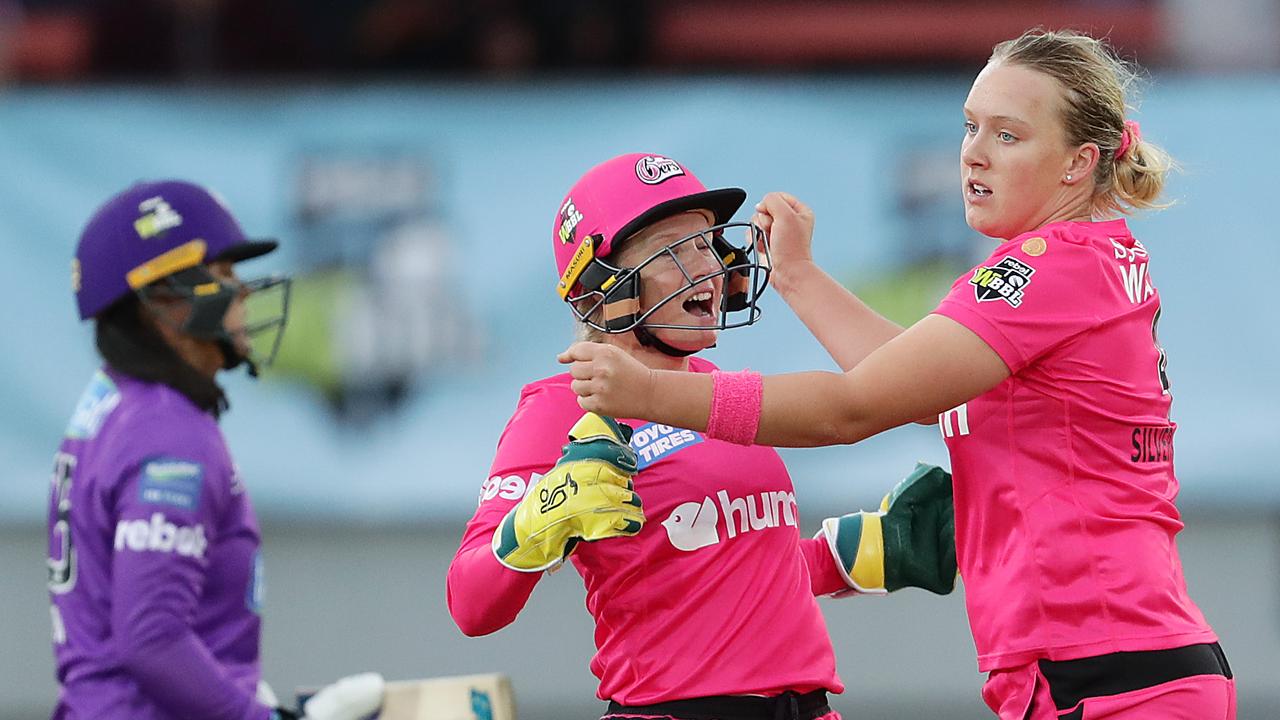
(569, 219)
(1006, 281)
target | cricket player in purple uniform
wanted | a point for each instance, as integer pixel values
(155, 574)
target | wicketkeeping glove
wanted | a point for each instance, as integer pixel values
(588, 495)
(909, 542)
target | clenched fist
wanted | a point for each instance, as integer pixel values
(608, 380)
(789, 226)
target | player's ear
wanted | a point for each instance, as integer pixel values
(1082, 163)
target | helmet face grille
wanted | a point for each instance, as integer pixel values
(266, 310)
(612, 303)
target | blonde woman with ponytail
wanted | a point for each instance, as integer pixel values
(1043, 368)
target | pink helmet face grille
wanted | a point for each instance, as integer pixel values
(612, 304)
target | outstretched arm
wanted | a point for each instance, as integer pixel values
(932, 366)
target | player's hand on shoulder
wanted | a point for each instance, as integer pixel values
(607, 379)
(588, 495)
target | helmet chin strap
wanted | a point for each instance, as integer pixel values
(648, 339)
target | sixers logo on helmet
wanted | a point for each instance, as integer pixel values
(654, 169)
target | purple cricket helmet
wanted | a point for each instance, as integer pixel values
(159, 237)
(148, 232)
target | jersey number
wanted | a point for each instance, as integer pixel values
(62, 553)
(1163, 363)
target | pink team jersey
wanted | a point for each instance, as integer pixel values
(715, 596)
(1064, 483)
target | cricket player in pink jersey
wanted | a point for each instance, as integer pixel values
(700, 585)
(1044, 369)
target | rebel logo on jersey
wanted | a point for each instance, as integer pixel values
(160, 535)
(1005, 281)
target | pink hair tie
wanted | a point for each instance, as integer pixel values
(736, 400)
(1129, 137)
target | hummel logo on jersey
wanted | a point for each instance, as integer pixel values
(694, 525)
(954, 421)
(160, 535)
(1005, 281)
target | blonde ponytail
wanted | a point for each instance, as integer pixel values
(1137, 180)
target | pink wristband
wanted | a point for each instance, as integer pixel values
(736, 399)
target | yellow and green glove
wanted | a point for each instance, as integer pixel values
(909, 542)
(588, 496)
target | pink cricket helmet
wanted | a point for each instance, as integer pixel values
(619, 197)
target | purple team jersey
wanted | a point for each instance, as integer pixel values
(154, 572)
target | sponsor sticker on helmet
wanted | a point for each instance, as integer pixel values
(569, 219)
(654, 169)
(1005, 281)
(581, 258)
(157, 217)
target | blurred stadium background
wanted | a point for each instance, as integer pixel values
(411, 155)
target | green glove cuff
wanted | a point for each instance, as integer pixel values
(608, 450)
(909, 542)
(856, 542)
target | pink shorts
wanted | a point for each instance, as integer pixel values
(1122, 686)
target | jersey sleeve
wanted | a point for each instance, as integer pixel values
(167, 509)
(1028, 297)
(484, 595)
(824, 576)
